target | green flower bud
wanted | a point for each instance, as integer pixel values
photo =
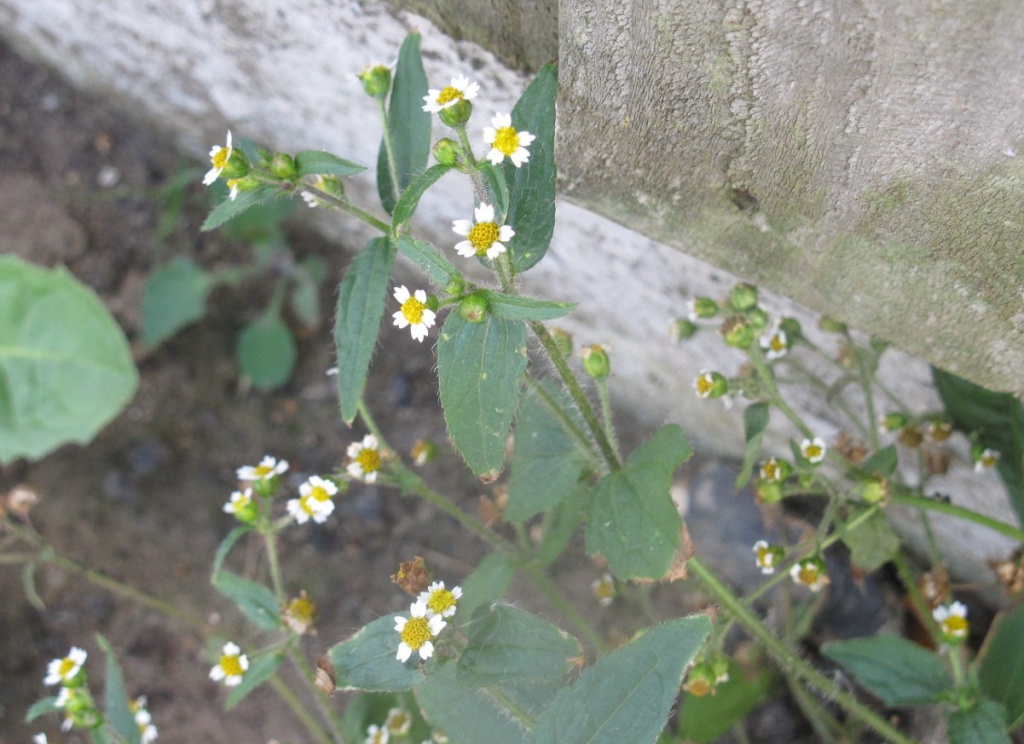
(596, 362)
(737, 332)
(282, 166)
(457, 115)
(831, 325)
(684, 329)
(563, 340)
(456, 285)
(758, 318)
(743, 297)
(710, 385)
(768, 492)
(791, 327)
(874, 490)
(376, 80)
(248, 183)
(446, 152)
(432, 303)
(703, 307)
(236, 167)
(473, 308)
(892, 421)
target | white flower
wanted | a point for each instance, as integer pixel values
(63, 697)
(774, 344)
(952, 620)
(484, 237)
(377, 735)
(60, 671)
(505, 141)
(414, 312)
(239, 500)
(398, 722)
(987, 459)
(267, 469)
(604, 589)
(416, 632)
(440, 601)
(219, 158)
(364, 459)
(811, 573)
(305, 508)
(232, 665)
(460, 89)
(813, 450)
(766, 557)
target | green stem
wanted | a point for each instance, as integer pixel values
(299, 710)
(270, 538)
(757, 359)
(606, 413)
(839, 401)
(824, 724)
(866, 379)
(347, 206)
(957, 511)
(392, 165)
(305, 671)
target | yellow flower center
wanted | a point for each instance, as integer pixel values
(482, 236)
(369, 459)
(320, 494)
(989, 459)
(232, 666)
(699, 687)
(398, 723)
(776, 344)
(705, 384)
(506, 140)
(413, 309)
(812, 452)
(808, 574)
(770, 470)
(262, 471)
(301, 608)
(449, 94)
(220, 158)
(378, 736)
(440, 600)
(955, 626)
(416, 632)
(604, 590)
(67, 665)
(765, 557)
(306, 506)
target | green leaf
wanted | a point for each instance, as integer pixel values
(999, 671)
(65, 366)
(881, 464)
(263, 226)
(633, 521)
(323, 163)
(898, 672)
(261, 669)
(118, 711)
(487, 583)
(428, 258)
(479, 365)
(41, 708)
(410, 198)
(366, 661)
(755, 421)
(872, 543)
(562, 524)
(546, 462)
(985, 723)
(99, 736)
(255, 601)
(525, 308)
(469, 714)
(999, 420)
(231, 208)
(496, 186)
(226, 544)
(174, 296)
(266, 352)
(532, 187)
(507, 645)
(627, 695)
(704, 719)
(410, 124)
(361, 300)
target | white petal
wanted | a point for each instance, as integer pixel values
(402, 294)
(525, 138)
(496, 156)
(520, 156)
(428, 318)
(426, 650)
(465, 248)
(500, 121)
(404, 652)
(421, 295)
(505, 233)
(484, 213)
(460, 82)
(462, 227)
(211, 176)
(471, 91)
(400, 320)
(419, 332)
(495, 250)
(217, 673)
(489, 134)
(229, 139)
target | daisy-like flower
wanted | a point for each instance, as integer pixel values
(774, 470)
(241, 503)
(604, 589)
(440, 601)
(232, 665)
(813, 450)
(219, 157)
(710, 384)
(460, 90)
(775, 344)
(987, 459)
(505, 141)
(309, 507)
(398, 722)
(767, 556)
(267, 469)
(485, 237)
(811, 573)
(62, 671)
(365, 459)
(417, 631)
(952, 620)
(318, 489)
(143, 720)
(414, 312)
(377, 735)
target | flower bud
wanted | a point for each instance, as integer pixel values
(457, 115)
(596, 362)
(791, 327)
(874, 490)
(683, 329)
(831, 325)
(446, 152)
(743, 297)
(283, 166)
(758, 318)
(236, 167)
(473, 308)
(910, 436)
(456, 285)
(893, 421)
(737, 332)
(376, 80)
(710, 384)
(703, 307)
(563, 340)
(423, 452)
(248, 183)
(768, 492)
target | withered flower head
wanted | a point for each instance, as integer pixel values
(413, 576)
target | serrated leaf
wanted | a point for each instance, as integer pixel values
(428, 258)
(255, 601)
(487, 583)
(119, 714)
(410, 125)
(41, 708)
(546, 463)
(704, 719)
(872, 543)
(65, 366)
(261, 669)
(323, 163)
(266, 352)
(898, 672)
(366, 661)
(525, 308)
(632, 520)
(361, 301)
(174, 296)
(1000, 671)
(469, 714)
(985, 723)
(479, 366)
(532, 187)
(755, 421)
(231, 208)
(507, 645)
(626, 695)
(412, 194)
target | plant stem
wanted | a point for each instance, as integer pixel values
(606, 413)
(305, 671)
(957, 511)
(763, 371)
(298, 709)
(347, 206)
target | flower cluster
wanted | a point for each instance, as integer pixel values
(426, 620)
(398, 724)
(147, 731)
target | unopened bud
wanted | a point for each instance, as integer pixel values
(446, 152)
(684, 329)
(457, 115)
(563, 340)
(791, 327)
(758, 318)
(283, 166)
(376, 80)
(874, 490)
(768, 492)
(737, 332)
(743, 297)
(892, 421)
(596, 362)
(703, 307)
(473, 308)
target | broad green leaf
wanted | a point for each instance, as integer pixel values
(410, 198)
(99, 736)
(872, 543)
(999, 420)
(562, 524)
(478, 366)
(881, 464)
(487, 583)
(755, 421)
(898, 672)
(65, 366)
(532, 187)
(41, 708)
(323, 163)
(546, 462)
(361, 301)
(174, 296)
(496, 186)
(985, 723)
(507, 645)
(525, 308)
(366, 661)
(633, 522)
(306, 300)
(266, 352)
(231, 208)
(226, 544)
(428, 258)
(704, 719)
(255, 601)
(410, 125)
(261, 669)
(1000, 670)
(627, 695)
(118, 712)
